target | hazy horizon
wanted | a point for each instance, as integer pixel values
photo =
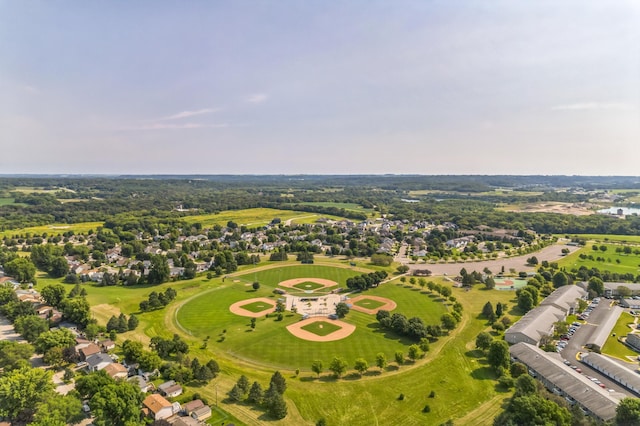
(320, 88)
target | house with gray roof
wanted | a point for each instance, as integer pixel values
(614, 370)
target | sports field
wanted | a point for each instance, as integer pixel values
(321, 328)
(369, 303)
(271, 344)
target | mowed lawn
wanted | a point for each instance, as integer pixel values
(369, 303)
(614, 262)
(54, 229)
(615, 348)
(271, 344)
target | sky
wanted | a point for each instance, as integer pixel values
(320, 87)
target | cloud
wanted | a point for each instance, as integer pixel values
(586, 106)
(171, 126)
(257, 98)
(187, 114)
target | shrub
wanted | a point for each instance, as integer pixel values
(401, 397)
(432, 394)
(426, 409)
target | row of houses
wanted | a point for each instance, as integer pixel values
(539, 322)
(192, 413)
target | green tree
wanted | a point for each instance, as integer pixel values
(525, 301)
(159, 270)
(255, 285)
(483, 340)
(342, 309)
(448, 321)
(89, 385)
(236, 394)
(22, 269)
(117, 404)
(243, 384)
(560, 279)
(54, 294)
(399, 357)
(59, 267)
(596, 285)
(498, 355)
(415, 352)
(517, 369)
(132, 323)
(276, 405)
(14, 355)
(317, 367)
(59, 410)
(255, 393)
(60, 338)
(338, 366)
(361, 366)
(22, 390)
(487, 310)
(628, 412)
(30, 327)
(278, 382)
(381, 361)
(525, 385)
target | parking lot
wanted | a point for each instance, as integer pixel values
(582, 335)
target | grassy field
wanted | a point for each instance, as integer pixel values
(347, 206)
(9, 202)
(255, 217)
(616, 348)
(451, 368)
(614, 262)
(271, 344)
(53, 229)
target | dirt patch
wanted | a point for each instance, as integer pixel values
(323, 282)
(576, 209)
(237, 309)
(345, 330)
(389, 305)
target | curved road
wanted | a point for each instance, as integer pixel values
(519, 263)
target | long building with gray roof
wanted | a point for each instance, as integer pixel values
(600, 335)
(538, 322)
(562, 380)
(610, 368)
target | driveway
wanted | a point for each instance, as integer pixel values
(6, 330)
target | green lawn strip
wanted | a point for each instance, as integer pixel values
(613, 346)
(369, 303)
(256, 307)
(321, 328)
(308, 285)
(613, 262)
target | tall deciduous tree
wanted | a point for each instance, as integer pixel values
(498, 355)
(22, 390)
(117, 404)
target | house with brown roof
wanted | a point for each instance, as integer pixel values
(87, 351)
(158, 407)
(170, 389)
(116, 371)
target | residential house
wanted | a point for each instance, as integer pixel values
(116, 370)
(86, 351)
(170, 389)
(142, 383)
(98, 361)
(158, 408)
(107, 345)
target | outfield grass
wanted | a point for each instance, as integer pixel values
(369, 303)
(614, 262)
(616, 348)
(308, 285)
(321, 328)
